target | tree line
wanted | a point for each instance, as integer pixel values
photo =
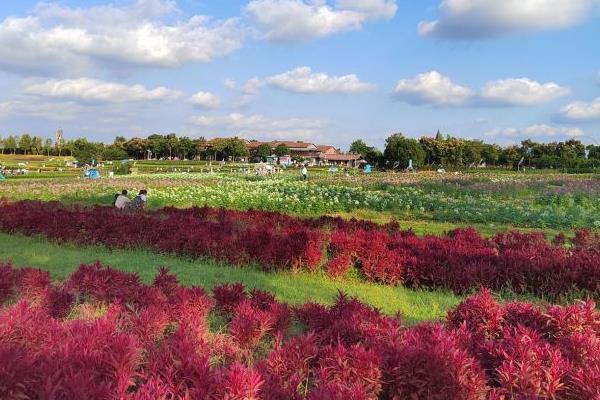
(441, 151)
(451, 152)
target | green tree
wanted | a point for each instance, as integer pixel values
(136, 148)
(593, 152)
(86, 152)
(10, 143)
(263, 151)
(120, 141)
(171, 143)
(157, 144)
(200, 147)
(37, 145)
(282, 150)
(25, 143)
(235, 148)
(491, 154)
(48, 146)
(186, 147)
(400, 149)
(113, 152)
(510, 156)
(360, 147)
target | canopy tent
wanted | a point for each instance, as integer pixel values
(92, 174)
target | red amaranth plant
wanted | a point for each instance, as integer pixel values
(429, 363)
(481, 314)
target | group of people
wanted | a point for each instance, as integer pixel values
(123, 202)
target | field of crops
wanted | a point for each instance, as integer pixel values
(521, 200)
(495, 274)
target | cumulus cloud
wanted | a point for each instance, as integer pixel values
(54, 111)
(477, 19)
(55, 36)
(205, 100)
(297, 20)
(435, 89)
(304, 80)
(536, 131)
(260, 126)
(96, 91)
(582, 111)
(432, 88)
(230, 83)
(522, 91)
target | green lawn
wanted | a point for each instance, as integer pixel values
(61, 260)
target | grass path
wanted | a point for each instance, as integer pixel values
(294, 288)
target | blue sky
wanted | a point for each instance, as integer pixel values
(315, 70)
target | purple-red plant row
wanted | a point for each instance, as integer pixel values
(461, 261)
(102, 334)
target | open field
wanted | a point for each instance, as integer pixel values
(491, 201)
(256, 272)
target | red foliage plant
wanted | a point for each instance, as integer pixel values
(156, 342)
(460, 261)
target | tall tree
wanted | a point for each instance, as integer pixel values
(48, 146)
(171, 143)
(37, 145)
(282, 150)
(400, 149)
(359, 147)
(263, 151)
(10, 143)
(25, 143)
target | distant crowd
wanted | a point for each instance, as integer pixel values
(123, 202)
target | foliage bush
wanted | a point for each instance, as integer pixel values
(51, 348)
(461, 261)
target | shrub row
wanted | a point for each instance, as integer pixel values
(461, 261)
(102, 334)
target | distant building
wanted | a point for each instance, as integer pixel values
(310, 153)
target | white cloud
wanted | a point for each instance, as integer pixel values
(476, 19)
(522, 91)
(95, 91)
(536, 131)
(252, 87)
(435, 89)
(432, 88)
(304, 80)
(55, 37)
(205, 100)
(372, 9)
(260, 126)
(297, 20)
(582, 111)
(230, 83)
(54, 111)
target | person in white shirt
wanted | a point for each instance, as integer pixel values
(304, 172)
(122, 200)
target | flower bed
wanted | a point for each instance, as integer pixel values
(102, 334)
(461, 261)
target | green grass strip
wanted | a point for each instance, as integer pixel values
(293, 288)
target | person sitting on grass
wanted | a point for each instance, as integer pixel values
(122, 200)
(139, 202)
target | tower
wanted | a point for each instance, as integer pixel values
(58, 137)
